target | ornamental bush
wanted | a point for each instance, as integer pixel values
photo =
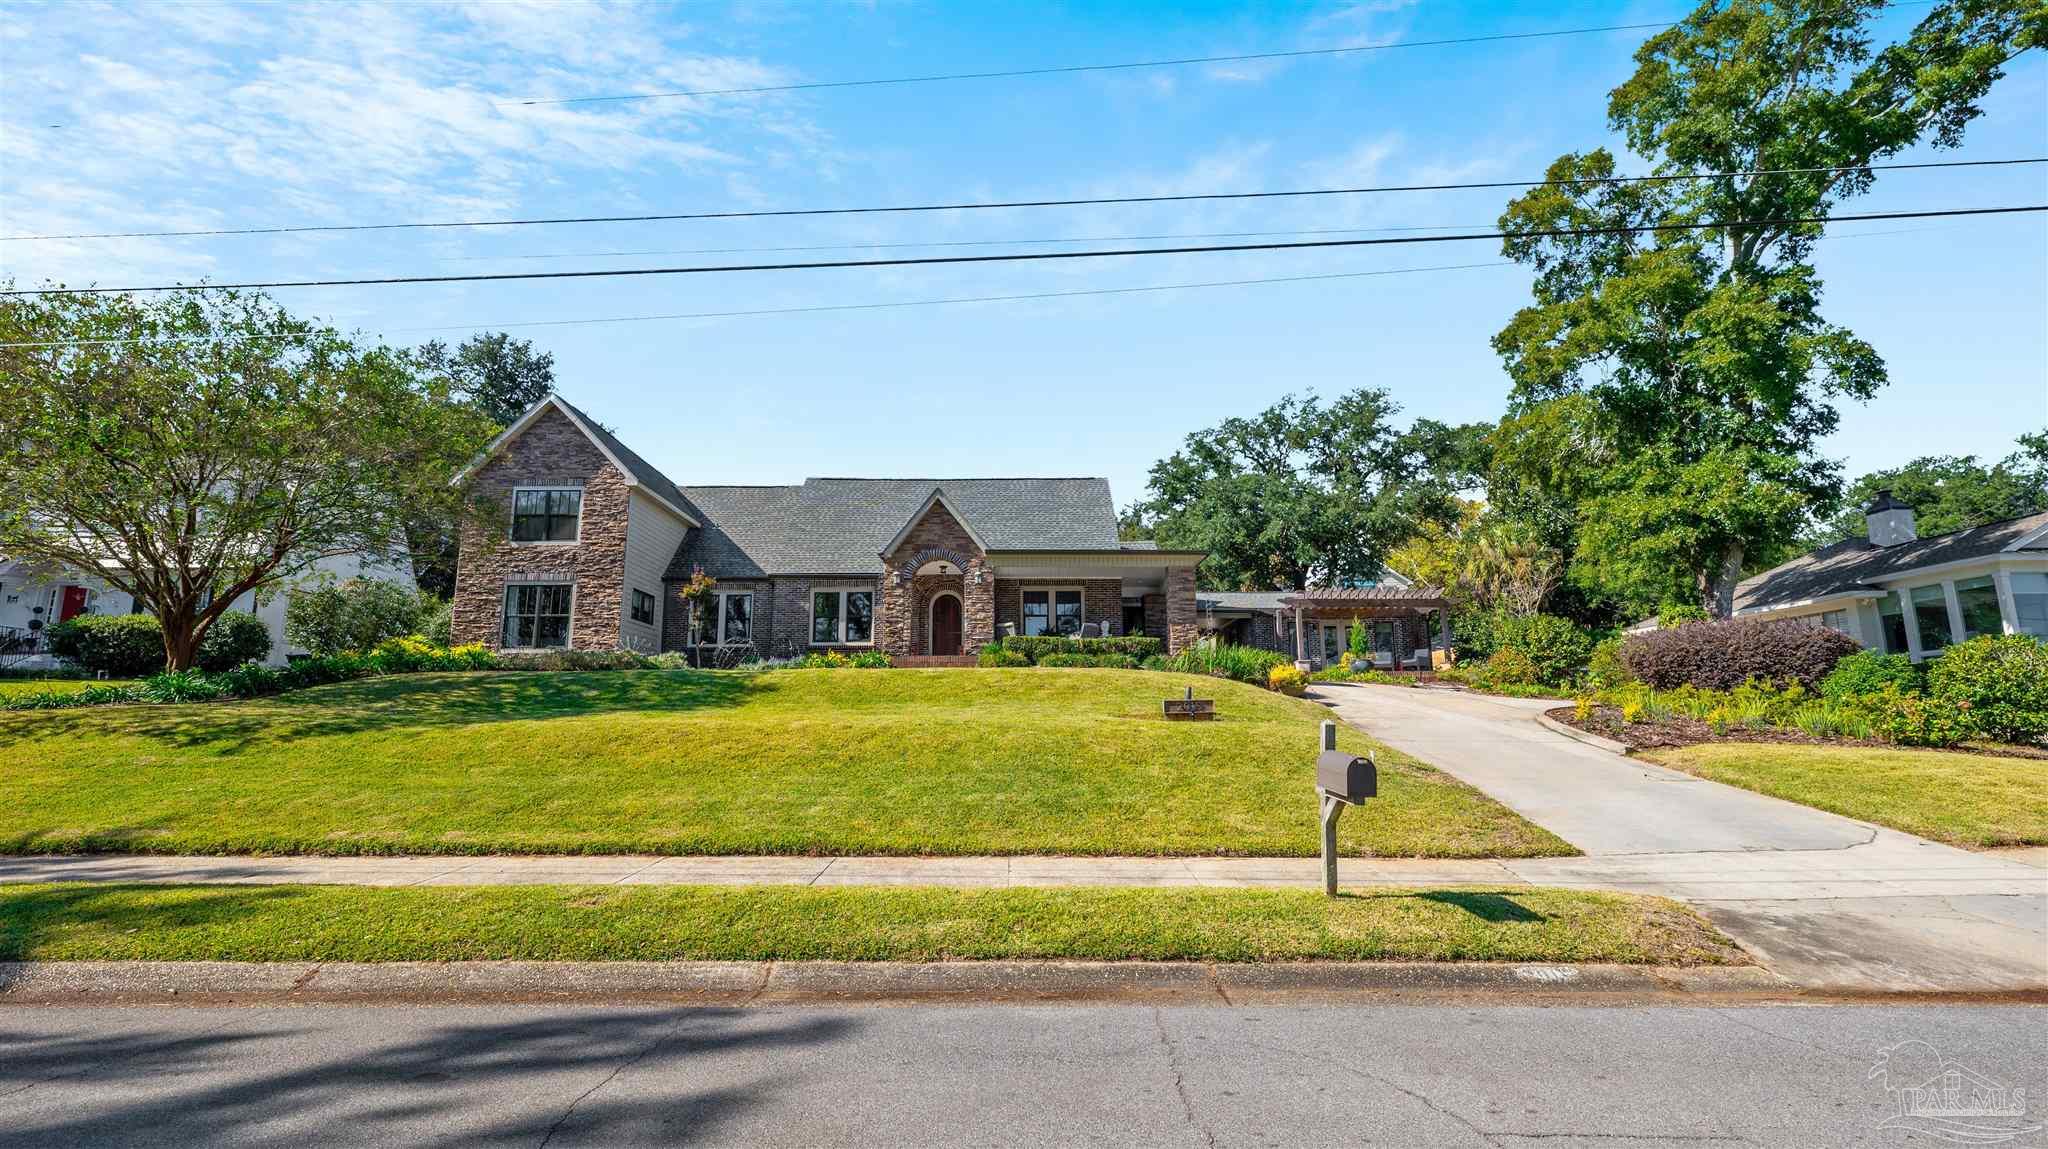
(995, 654)
(1288, 679)
(1605, 669)
(1507, 667)
(1035, 647)
(1555, 646)
(1239, 663)
(132, 645)
(1999, 683)
(1869, 671)
(329, 618)
(1724, 654)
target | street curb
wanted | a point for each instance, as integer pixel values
(829, 982)
(1587, 737)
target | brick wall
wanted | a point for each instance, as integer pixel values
(1155, 616)
(549, 453)
(901, 617)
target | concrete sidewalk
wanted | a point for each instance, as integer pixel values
(1824, 900)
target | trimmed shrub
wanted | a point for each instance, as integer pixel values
(997, 655)
(1605, 669)
(122, 645)
(1725, 654)
(329, 618)
(1869, 671)
(1288, 679)
(1240, 663)
(1999, 683)
(1104, 661)
(575, 660)
(132, 645)
(840, 660)
(1911, 720)
(437, 624)
(1036, 647)
(1555, 646)
(233, 639)
(1507, 667)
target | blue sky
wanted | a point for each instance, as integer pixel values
(195, 116)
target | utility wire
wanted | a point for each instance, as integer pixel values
(1028, 256)
(1096, 201)
(1070, 69)
(809, 310)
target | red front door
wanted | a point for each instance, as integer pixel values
(73, 604)
(946, 625)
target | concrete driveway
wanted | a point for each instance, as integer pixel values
(1822, 899)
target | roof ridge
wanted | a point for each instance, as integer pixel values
(954, 479)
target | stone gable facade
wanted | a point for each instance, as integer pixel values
(552, 452)
(904, 621)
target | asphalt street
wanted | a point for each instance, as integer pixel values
(631, 1075)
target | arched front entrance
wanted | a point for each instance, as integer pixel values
(945, 630)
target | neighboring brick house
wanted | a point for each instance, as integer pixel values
(1408, 625)
(591, 546)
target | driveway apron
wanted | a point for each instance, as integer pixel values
(1823, 900)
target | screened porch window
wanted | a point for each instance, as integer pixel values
(2030, 603)
(1930, 614)
(536, 615)
(546, 516)
(1891, 617)
(1052, 612)
(1978, 598)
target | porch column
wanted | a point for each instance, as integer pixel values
(2008, 609)
(1444, 613)
(1300, 638)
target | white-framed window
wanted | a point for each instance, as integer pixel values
(1052, 610)
(842, 617)
(536, 615)
(643, 607)
(1977, 598)
(726, 617)
(1835, 620)
(546, 514)
(2030, 602)
(1930, 616)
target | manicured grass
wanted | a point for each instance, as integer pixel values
(1962, 799)
(691, 762)
(657, 923)
(13, 688)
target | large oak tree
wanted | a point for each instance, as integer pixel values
(1680, 380)
(196, 446)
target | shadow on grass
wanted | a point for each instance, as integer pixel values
(1486, 907)
(413, 701)
(389, 1078)
(26, 914)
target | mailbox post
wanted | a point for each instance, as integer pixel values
(1341, 780)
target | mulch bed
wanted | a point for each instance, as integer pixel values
(1680, 730)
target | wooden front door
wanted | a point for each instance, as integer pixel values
(945, 625)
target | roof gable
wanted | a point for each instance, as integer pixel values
(937, 500)
(636, 471)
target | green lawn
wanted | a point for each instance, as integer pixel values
(686, 762)
(13, 688)
(1962, 799)
(658, 923)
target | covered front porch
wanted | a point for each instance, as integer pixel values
(1410, 627)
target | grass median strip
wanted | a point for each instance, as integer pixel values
(1963, 799)
(916, 923)
(903, 762)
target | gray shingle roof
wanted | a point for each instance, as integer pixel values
(643, 472)
(1854, 565)
(1210, 600)
(839, 526)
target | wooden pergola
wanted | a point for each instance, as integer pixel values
(1406, 607)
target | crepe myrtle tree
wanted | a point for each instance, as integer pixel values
(195, 446)
(1691, 372)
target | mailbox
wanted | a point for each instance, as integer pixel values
(1347, 777)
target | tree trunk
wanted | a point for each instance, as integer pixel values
(1718, 586)
(181, 642)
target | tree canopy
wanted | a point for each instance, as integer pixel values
(199, 445)
(1306, 492)
(1949, 493)
(1669, 388)
(503, 376)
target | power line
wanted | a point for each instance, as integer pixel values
(1070, 69)
(813, 309)
(1097, 201)
(1021, 257)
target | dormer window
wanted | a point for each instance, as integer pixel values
(546, 515)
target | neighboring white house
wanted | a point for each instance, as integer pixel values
(1897, 592)
(33, 599)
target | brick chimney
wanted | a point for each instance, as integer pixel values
(1890, 521)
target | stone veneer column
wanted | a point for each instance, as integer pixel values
(1181, 627)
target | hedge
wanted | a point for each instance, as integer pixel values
(1036, 647)
(1109, 661)
(1998, 682)
(132, 645)
(1725, 654)
(1869, 672)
